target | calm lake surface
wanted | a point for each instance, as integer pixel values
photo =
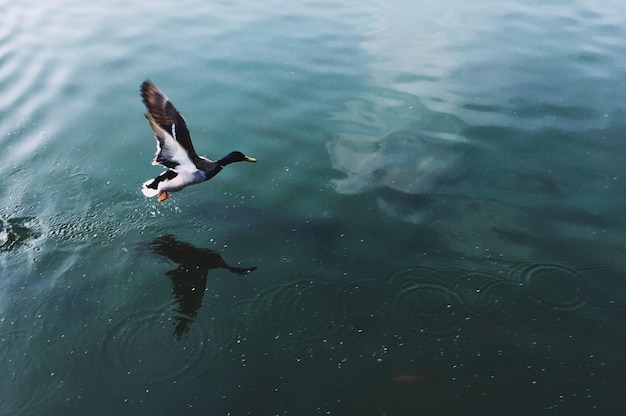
(435, 226)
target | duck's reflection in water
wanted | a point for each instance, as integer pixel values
(190, 277)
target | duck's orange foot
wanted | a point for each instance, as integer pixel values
(163, 196)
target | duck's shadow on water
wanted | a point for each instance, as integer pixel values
(189, 279)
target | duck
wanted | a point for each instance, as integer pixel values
(175, 150)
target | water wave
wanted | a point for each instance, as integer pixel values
(305, 312)
(141, 346)
(606, 287)
(552, 285)
(32, 380)
(31, 77)
(423, 303)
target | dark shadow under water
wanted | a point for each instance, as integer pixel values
(16, 232)
(189, 279)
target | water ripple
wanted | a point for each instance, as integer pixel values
(475, 288)
(32, 75)
(606, 287)
(421, 302)
(304, 312)
(552, 285)
(31, 378)
(424, 302)
(365, 310)
(142, 347)
(500, 300)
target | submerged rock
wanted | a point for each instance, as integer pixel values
(412, 163)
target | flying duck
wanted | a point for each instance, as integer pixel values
(175, 150)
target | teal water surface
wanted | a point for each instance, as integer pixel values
(435, 224)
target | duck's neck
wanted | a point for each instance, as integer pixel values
(227, 160)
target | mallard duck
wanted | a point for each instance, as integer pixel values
(175, 150)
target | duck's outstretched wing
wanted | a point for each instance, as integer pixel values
(174, 147)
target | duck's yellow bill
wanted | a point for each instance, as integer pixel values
(250, 159)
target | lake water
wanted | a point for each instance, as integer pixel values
(436, 223)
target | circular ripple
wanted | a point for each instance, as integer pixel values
(9, 338)
(499, 299)
(606, 288)
(143, 347)
(471, 285)
(304, 312)
(427, 309)
(364, 306)
(423, 301)
(553, 286)
(226, 324)
(35, 368)
(416, 275)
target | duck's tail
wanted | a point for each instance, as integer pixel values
(147, 190)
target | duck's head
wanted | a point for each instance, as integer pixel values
(233, 157)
